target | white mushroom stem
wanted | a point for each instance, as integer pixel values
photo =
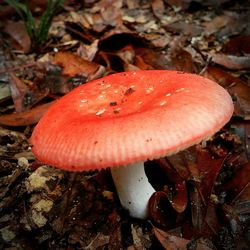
(133, 188)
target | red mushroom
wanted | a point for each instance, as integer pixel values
(121, 120)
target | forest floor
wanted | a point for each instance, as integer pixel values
(203, 196)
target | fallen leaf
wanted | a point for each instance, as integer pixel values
(110, 11)
(236, 87)
(25, 97)
(18, 91)
(161, 211)
(240, 183)
(179, 196)
(169, 241)
(158, 8)
(4, 92)
(88, 52)
(217, 23)
(239, 45)
(73, 64)
(25, 118)
(139, 62)
(184, 28)
(209, 168)
(231, 61)
(182, 60)
(20, 38)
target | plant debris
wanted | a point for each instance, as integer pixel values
(203, 193)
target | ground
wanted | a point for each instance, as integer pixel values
(203, 195)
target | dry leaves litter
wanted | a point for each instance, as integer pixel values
(203, 193)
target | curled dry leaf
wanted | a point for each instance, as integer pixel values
(179, 197)
(25, 118)
(161, 211)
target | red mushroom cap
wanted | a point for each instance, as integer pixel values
(130, 117)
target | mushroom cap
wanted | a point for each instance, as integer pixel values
(130, 117)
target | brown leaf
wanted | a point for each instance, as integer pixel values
(25, 118)
(23, 96)
(179, 197)
(184, 4)
(169, 241)
(231, 61)
(184, 28)
(139, 62)
(111, 12)
(239, 45)
(240, 183)
(88, 52)
(236, 87)
(182, 60)
(18, 90)
(153, 58)
(161, 211)
(18, 33)
(158, 8)
(209, 168)
(242, 129)
(73, 65)
(216, 24)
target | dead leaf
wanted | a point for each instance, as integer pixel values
(179, 196)
(236, 87)
(25, 97)
(239, 46)
(240, 183)
(169, 241)
(182, 27)
(209, 168)
(182, 60)
(139, 62)
(185, 4)
(216, 24)
(73, 65)
(231, 61)
(88, 52)
(4, 92)
(18, 91)
(161, 211)
(111, 12)
(20, 38)
(25, 118)
(158, 8)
